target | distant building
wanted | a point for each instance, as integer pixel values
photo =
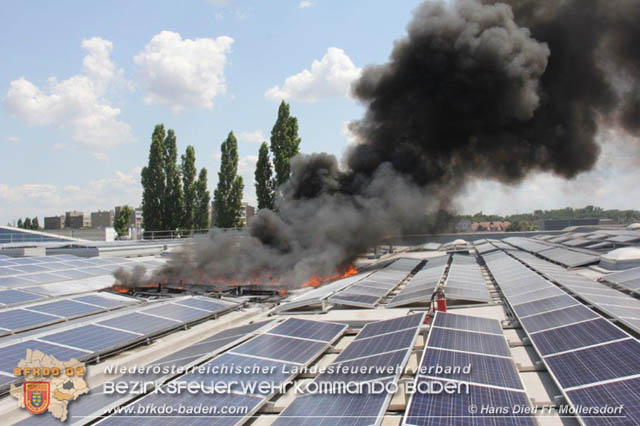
(54, 222)
(74, 220)
(248, 212)
(497, 226)
(558, 224)
(102, 219)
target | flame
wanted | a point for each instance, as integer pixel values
(120, 289)
(317, 280)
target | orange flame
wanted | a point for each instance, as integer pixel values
(316, 280)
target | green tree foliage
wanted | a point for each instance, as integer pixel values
(35, 224)
(172, 208)
(189, 185)
(203, 198)
(20, 224)
(227, 197)
(27, 223)
(153, 182)
(265, 184)
(122, 221)
(285, 142)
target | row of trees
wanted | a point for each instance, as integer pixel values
(173, 197)
(28, 223)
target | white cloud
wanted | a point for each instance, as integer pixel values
(13, 139)
(33, 199)
(101, 157)
(330, 77)
(59, 145)
(351, 137)
(255, 136)
(78, 104)
(305, 3)
(183, 73)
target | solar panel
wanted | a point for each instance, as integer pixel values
(177, 312)
(389, 326)
(467, 323)
(544, 305)
(378, 344)
(15, 282)
(354, 299)
(488, 370)
(281, 348)
(65, 308)
(206, 304)
(595, 364)
(536, 295)
(322, 331)
(576, 336)
(427, 409)
(622, 276)
(110, 301)
(140, 323)
(12, 297)
(364, 369)
(11, 355)
(19, 319)
(596, 399)
(488, 344)
(557, 318)
(91, 337)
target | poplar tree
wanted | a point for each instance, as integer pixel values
(265, 184)
(203, 198)
(285, 142)
(189, 186)
(173, 196)
(227, 197)
(154, 182)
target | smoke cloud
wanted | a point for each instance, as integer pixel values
(475, 90)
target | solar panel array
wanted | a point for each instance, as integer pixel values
(12, 235)
(493, 380)
(368, 292)
(421, 286)
(275, 354)
(616, 304)
(96, 402)
(41, 314)
(570, 258)
(28, 279)
(465, 280)
(87, 340)
(629, 279)
(527, 244)
(590, 359)
(378, 354)
(486, 248)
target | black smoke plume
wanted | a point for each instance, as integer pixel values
(475, 90)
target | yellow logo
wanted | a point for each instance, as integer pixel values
(49, 385)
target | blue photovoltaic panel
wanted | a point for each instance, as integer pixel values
(44, 278)
(207, 305)
(389, 326)
(378, 344)
(9, 271)
(281, 348)
(105, 302)
(365, 369)
(356, 409)
(11, 297)
(557, 318)
(323, 331)
(468, 342)
(600, 397)
(488, 370)
(30, 268)
(15, 282)
(73, 274)
(354, 298)
(91, 337)
(543, 293)
(177, 312)
(249, 373)
(140, 323)
(576, 336)
(544, 305)
(66, 308)
(467, 323)
(613, 360)
(19, 319)
(460, 408)
(11, 355)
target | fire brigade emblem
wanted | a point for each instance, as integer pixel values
(36, 397)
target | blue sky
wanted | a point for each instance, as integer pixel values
(83, 83)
